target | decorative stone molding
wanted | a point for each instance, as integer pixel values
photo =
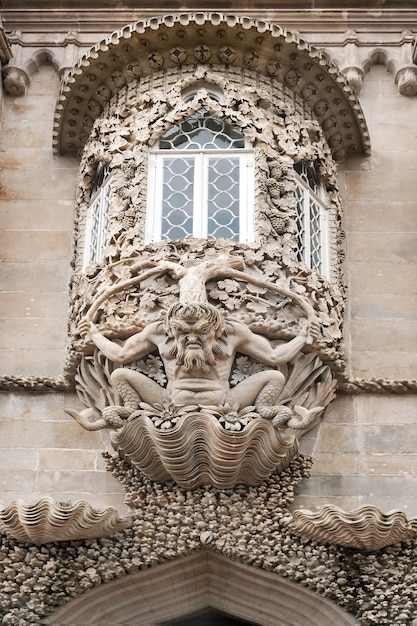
(48, 521)
(355, 55)
(203, 579)
(365, 528)
(376, 385)
(143, 47)
(40, 384)
(25, 60)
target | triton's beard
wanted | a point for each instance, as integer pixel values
(201, 358)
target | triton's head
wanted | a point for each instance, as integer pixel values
(195, 328)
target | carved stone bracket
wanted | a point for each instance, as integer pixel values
(406, 79)
(354, 57)
(15, 80)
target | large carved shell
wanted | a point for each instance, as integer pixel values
(47, 521)
(199, 451)
(365, 528)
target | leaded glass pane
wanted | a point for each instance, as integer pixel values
(202, 131)
(308, 173)
(300, 223)
(97, 225)
(315, 236)
(223, 198)
(177, 199)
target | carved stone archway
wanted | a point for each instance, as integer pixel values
(204, 579)
(228, 42)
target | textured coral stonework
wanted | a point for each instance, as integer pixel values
(247, 524)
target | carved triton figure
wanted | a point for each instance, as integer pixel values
(197, 345)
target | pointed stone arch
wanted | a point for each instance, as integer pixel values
(189, 585)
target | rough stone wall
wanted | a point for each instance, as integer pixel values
(363, 450)
(42, 450)
(37, 207)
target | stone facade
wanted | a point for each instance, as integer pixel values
(363, 450)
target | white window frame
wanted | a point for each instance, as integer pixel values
(200, 198)
(309, 196)
(97, 222)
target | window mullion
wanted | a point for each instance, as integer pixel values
(200, 195)
(307, 227)
(324, 222)
(246, 195)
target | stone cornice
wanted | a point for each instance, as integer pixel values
(21, 15)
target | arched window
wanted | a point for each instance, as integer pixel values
(201, 182)
(97, 217)
(311, 219)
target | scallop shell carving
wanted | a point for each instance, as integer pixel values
(47, 521)
(365, 528)
(199, 451)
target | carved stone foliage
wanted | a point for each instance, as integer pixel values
(216, 387)
(282, 132)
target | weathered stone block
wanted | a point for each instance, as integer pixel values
(337, 439)
(24, 276)
(395, 248)
(33, 305)
(64, 435)
(18, 459)
(30, 407)
(71, 460)
(29, 245)
(373, 277)
(33, 333)
(32, 362)
(386, 409)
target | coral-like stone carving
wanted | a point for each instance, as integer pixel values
(365, 528)
(48, 521)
